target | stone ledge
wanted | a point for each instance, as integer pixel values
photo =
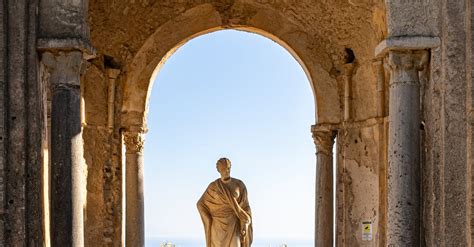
(369, 122)
(67, 44)
(406, 43)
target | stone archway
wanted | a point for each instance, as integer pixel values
(204, 19)
(134, 141)
(328, 53)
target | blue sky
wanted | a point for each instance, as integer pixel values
(242, 96)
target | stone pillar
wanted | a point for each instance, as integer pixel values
(22, 127)
(324, 140)
(67, 164)
(404, 147)
(134, 203)
(406, 57)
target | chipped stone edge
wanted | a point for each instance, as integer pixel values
(406, 43)
(88, 51)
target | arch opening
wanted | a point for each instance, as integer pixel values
(248, 29)
(144, 64)
(171, 133)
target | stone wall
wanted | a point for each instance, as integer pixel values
(102, 148)
(361, 187)
(446, 155)
(446, 171)
(22, 127)
(3, 160)
(470, 108)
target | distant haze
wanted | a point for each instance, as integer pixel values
(242, 96)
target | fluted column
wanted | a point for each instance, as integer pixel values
(67, 164)
(324, 139)
(134, 207)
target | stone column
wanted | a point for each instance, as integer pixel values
(134, 204)
(404, 147)
(324, 140)
(406, 57)
(67, 165)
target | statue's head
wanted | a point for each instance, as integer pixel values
(223, 167)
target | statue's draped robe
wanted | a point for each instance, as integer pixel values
(224, 208)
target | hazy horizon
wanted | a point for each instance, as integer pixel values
(256, 243)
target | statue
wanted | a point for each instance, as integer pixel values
(225, 210)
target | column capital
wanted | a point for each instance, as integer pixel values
(323, 137)
(134, 141)
(64, 67)
(405, 65)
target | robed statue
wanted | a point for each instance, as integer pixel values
(225, 210)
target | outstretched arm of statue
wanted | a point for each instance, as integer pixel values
(206, 220)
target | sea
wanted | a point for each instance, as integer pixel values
(256, 243)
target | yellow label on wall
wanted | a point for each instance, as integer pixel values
(367, 230)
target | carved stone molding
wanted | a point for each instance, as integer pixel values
(406, 43)
(323, 139)
(134, 142)
(67, 44)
